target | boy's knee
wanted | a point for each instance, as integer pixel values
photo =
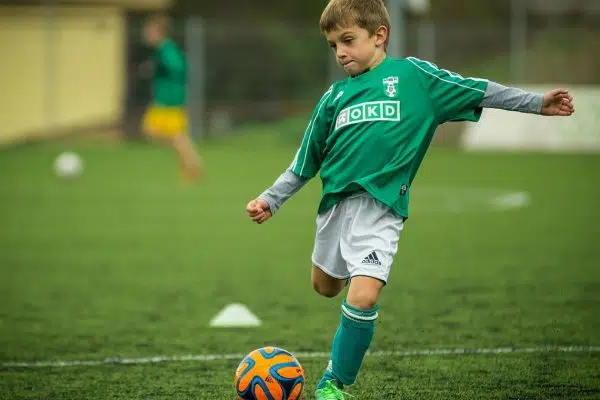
(364, 293)
(326, 290)
(364, 299)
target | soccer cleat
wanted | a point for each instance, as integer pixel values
(329, 392)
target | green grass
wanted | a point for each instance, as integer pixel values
(125, 262)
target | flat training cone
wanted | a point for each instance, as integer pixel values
(235, 316)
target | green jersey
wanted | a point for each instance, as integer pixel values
(170, 76)
(371, 132)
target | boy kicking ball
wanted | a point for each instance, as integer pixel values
(368, 136)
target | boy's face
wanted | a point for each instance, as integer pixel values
(153, 34)
(355, 49)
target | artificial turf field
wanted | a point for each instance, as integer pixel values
(500, 258)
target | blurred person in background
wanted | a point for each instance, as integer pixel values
(166, 117)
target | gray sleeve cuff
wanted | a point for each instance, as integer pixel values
(284, 187)
(511, 99)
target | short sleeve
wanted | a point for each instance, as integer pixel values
(311, 152)
(453, 97)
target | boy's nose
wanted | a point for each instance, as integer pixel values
(342, 59)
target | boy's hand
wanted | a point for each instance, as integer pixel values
(146, 69)
(259, 211)
(558, 102)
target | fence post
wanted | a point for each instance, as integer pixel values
(195, 43)
(518, 39)
(397, 11)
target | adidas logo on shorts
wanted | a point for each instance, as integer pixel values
(372, 259)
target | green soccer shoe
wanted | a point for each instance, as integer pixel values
(329, 392)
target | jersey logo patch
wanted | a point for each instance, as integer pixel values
(387, 110)
(391, 86)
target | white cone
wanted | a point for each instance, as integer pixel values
(235, 315)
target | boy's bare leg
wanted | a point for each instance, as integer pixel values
(364, 292)
(189, 158)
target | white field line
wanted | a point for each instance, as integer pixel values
(511, 201)
(299, 355)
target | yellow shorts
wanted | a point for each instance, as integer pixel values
(165, 121)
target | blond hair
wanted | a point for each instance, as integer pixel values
(366, 14)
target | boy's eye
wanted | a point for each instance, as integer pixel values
(348, 40)
(332, 45)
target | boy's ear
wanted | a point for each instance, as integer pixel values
(381, 35)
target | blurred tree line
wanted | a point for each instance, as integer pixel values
(266, 58)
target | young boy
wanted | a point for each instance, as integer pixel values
(166, 117)
(367, 136)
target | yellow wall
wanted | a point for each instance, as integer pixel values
(57, 78)
(90, 73)
(21, 73)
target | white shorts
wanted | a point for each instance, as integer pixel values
(357, 237)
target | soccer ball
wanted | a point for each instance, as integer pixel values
(68, 165)
(269, 373)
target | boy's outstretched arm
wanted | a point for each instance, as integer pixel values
(455, 98)
(557, 102)
(264, 206)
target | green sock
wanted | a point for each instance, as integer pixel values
(350, 344)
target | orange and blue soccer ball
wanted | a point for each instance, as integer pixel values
(269, 373)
